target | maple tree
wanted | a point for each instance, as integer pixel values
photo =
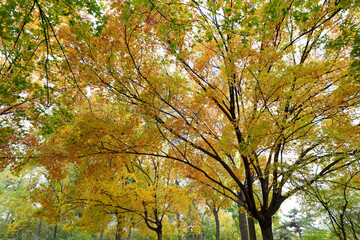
(87, 176)
(254, 97)
(30, 53)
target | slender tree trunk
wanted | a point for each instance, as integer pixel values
(38, 230)
(266, 229)
(8, 217)
(216, 215)
(178, 225)
(55, 231)
(129, 234)
(101, 234)
(251, 225)
(119, 230)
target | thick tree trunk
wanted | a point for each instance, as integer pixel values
(119, 230)
(243, 225)
(216, 215)
(266, 229)
(118, 235)
(38, 230)
(55, 231)
(158, 224)
(251, 225)
(159, 234)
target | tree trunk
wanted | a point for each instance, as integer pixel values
(8, 217)
(243, 226)
(101, 234)
(55, 231)
(119, 230)
(242, 222)
(38, 230)
(159, 234)
(178, 225)
(129, 234)
(118, 236)
(266, 229)
(251, 225)
(216, 215)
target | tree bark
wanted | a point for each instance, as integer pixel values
(101, 234)
(119, 230)
(266, 229)
(129, 234)
(178, 225)
(159, 234)
(251, 225)
(118, 235)
(55, 231)
(38, 230)
(8, 217)
(216, 215)
(243, 225)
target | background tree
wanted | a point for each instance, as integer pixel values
(336, 200)
(88, 175)
(297, 224)
(17, 219)
(20, 218)
(214, 203)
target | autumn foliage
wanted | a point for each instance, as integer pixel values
(254, 101)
